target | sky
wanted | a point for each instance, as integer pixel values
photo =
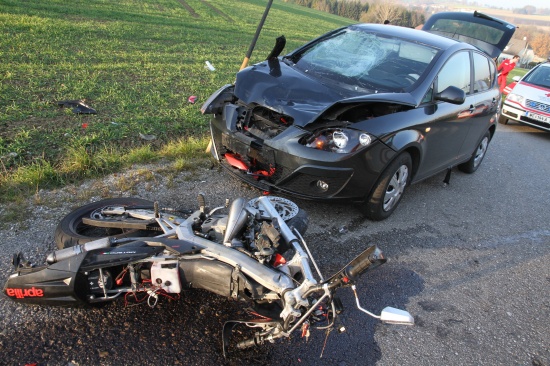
(513, 4)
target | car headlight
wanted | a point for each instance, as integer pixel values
(339, 140)
(515, 98)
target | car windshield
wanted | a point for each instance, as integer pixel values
(358, 60)
(539, 76)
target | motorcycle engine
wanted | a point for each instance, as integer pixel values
(267, 240)
(247, 231)
(214, 227)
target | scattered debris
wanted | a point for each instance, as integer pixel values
(147, 137)
(84, 125)
(79, 106)
(209, 66)
(9, 155)
(192, 99)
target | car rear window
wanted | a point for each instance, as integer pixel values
(464, 31)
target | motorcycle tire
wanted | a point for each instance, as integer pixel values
(299, 222)
(72, 231)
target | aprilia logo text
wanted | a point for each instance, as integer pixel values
(21, 293)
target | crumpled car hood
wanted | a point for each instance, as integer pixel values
(278, 86)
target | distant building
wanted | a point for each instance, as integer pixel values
(518, 47)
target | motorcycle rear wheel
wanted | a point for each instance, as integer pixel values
(72, 231)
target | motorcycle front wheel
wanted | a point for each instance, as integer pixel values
(73, 231)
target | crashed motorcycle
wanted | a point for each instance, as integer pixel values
(142, 252)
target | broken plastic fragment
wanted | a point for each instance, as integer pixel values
(79, 106)
(9, 155)
(147, 137)
(192, 99)
(209, 66)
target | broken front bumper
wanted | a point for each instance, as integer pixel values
(283, 164)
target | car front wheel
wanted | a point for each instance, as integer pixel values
(389, 189)
(477, 157)
(503, 119)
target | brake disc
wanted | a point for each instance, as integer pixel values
(285, 208)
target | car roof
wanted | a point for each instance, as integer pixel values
(410, 34)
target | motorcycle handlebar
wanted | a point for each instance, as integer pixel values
(247, 343)
(370, 258)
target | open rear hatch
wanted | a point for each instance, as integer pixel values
(489, 34)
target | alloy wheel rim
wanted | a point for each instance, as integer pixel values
(396, 187)
(481, 150)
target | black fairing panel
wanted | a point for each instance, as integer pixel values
(126, 253)
(52, 285)
(213, 276)
(219, 278)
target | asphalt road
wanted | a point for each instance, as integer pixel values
(470, 261)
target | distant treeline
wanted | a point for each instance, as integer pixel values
(531, 10)
(363, 12)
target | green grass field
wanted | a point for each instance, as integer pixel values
(136, 62)
(515, 72)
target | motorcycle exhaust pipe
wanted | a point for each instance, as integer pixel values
(235, 220)
(63, 254)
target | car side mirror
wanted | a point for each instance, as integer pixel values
(451, 94)
(516, 78)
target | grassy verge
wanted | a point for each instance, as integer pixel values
(136, 62)
(515, 72)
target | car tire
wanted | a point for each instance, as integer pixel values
(477, 157)
(389, 189)
(502, 119)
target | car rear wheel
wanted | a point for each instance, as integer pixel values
(477, 157)
(389, 189)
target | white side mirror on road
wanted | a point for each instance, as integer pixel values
(391, 315)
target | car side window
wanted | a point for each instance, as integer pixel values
(456, 72)
(429, 95)
(482, 73)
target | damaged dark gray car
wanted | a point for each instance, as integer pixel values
(363, 111)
